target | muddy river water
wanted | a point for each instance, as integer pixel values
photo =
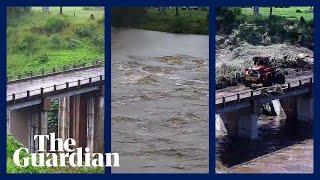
(275, 133)
(160, 101)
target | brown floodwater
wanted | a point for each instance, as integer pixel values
(280, 138)
(160, 101)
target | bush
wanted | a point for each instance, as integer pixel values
(98, 40)
(56, 42)
(55, 24)
(28, 44)
(127, 17)
(72, 43)
(180, 25)
(85, 30)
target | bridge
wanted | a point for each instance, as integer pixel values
(237, 108)
(78, 90)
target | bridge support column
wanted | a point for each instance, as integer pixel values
(8, 121)
(99, 128)
(242, 123)
(276, 107)
(220, 127)
(248, 126)
(24, 123)
(64, 118)
(86, 120)
(305, 108)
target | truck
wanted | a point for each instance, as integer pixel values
(262, 73)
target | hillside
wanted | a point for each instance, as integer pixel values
(39, 41)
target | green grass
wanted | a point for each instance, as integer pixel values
(34, 43)
(13, 145)
(289, 13)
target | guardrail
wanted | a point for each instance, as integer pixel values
(43, 91)
(251, 93)
(53, 71)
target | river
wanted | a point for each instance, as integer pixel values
(275, 133)
(160, 101)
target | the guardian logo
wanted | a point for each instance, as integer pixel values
(62, 154)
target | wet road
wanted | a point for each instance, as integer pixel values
(160, 101)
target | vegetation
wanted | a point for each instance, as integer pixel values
(13, 145)
(165, 20)
(293, 25)
(39, 41)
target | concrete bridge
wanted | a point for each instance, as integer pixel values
(81, 106)
(237, 109)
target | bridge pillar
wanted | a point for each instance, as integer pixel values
(26, 122)
(99, 128)
(276, 107)
(64, 118)
(8, 121)
(86, 120)
(242, 122)
(220, 127)
(248, 126)
(289, 105)
(305, 108)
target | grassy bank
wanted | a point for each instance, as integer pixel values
(187, 22)
(39, 41)
(290, 13)
(13, 145)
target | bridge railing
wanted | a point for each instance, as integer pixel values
(250, 92)
(56, 87)
(53, 71)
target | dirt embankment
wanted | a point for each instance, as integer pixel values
(233, 56)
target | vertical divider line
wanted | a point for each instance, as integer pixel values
(212, 79)
(316, 48)
(3, 87)
(107, 107)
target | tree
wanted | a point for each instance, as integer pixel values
(60, 9)
(177, 11)
(255, 10)
(270, 12)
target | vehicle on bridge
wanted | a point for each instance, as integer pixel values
(263, 72)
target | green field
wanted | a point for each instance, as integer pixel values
(38, 41)
(289, 13)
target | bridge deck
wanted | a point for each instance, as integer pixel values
(20, 88)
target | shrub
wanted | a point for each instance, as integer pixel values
(85, 30)
(98, 40)
(55, 24)
(56, 42)
(180, 25)
(28, 44)
(72, 43)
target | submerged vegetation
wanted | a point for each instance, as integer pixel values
(39, 41)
